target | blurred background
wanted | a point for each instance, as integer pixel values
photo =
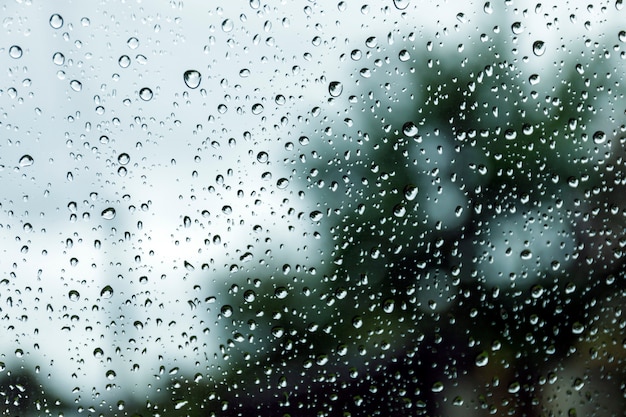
(307, 209)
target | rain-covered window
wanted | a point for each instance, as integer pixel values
(310, 208)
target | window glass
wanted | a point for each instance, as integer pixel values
(312, 208)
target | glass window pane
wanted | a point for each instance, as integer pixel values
(307, 208)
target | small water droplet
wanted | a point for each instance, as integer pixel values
(526, 254)
(26, 161)
(192, 78)
(409, 129)
(335, 88)
(514, 387)
(257, 108)
(281, 292)
(15, 52)
(145, 94)
(539, 48)
(56, 21)
(599, 137)
(482, 359)
(404, 55)
(227, 311)
(76, 85)
(133, 43)
(124, 61)
(58, 58)
(227, 25)
(517, 28)
(123, 158)
(410, 192)
(399, 210)
(282, 183)
(401, 4)
(316, 215)
(108, 214)
(357, 322)
(73, 295)
(622, 35)
(578, 328)
(107, 292)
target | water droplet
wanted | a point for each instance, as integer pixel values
(138, 325)
(482, 359)
(227, 25)
(124, 61)
(599, 137)
(404, 55)
(257, 108)
(15, 52)
(110, 374)
(539, 48)
(536, 291)
(526, 254)
(262, 157)
(517, 28)
(389, 305)
(282, 183)
(145, 94)
(249, 296)
(622, 35)
(514, 387)
(107, 292)
(98, 352)
(192, 78)
(76, 85)
(123, 158)
(409, 129)
(578, 328)
(534, 79)
(56, 21)
(356, 54)
(399, 210)
(226, 311)
(316, 215)
(357, 322)
(73, 295)
(335, 88)
(133, 43)
(26, 161)
(410, 192)
(281, 292)
(58, 58)
(228, 210)
(437, 387)
(108, 214)
(401, 4)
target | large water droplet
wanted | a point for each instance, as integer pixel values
(56, 21)
(599, 137)
(58, 58)
(517, 28)
(482, 359)
(539, 48)
(145, 94)
(108, 213)
(335, 88)
(107, 292)
(76, 85)
(227, 25)
(192, 78)
(73, 295)
(409, 129)
(316, 215)
(26, 161)
(401, 4)
(124, 61)
(404, 55)
(133, 43)
(15, 52)
(123, 158)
